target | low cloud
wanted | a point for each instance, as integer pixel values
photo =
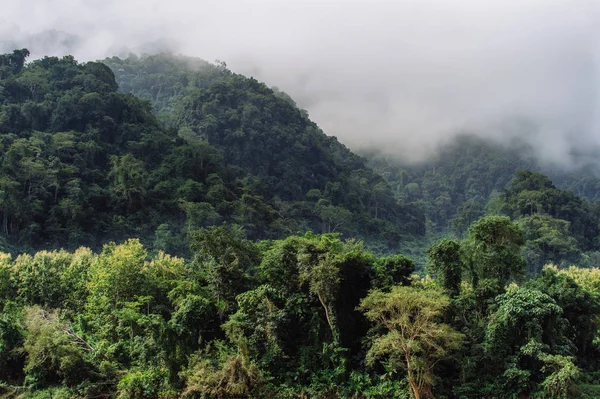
(400, 75)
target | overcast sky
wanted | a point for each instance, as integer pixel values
(400, 75)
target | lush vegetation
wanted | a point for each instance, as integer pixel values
(181, 193)
(472, 178)
(260, 132)
(307, 316)
(83, 164)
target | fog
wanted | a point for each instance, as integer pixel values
(402, 76)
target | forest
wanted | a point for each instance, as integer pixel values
(172, 229)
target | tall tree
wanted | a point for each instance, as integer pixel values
(414, 337)
(445, 263)
(223, 258)
(493, 251)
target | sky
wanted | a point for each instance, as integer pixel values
(402, 76)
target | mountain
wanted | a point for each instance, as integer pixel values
(74, 152)
(262, 133)
(454, 186)
(84, 164)
(472, 177)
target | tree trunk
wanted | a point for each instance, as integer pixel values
(328, 317)
(5, 222)
(415, 389)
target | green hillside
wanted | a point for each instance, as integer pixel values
(262, 133)
(84, 164)
(473, 177)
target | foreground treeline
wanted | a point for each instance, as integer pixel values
(308, 316)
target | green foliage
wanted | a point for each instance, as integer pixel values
(523, 314)
(55, 352)
(391, 271)
(445, 263)
(580, 308)
(364, 386)
(560, 384)
(558, 225)
(147, 383)
(548, 241)
(526, 336)
(213, 162)
(236, 377)
(308, 180)
(413, 336)
(471, 177)
(11, 341)
(224, 259)
(61, 124)
(453, 187)
(493, 251)
(286, 318)
(83, 164)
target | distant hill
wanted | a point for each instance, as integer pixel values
(457, 182)
(471, 177)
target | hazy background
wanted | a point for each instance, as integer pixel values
(399, 75)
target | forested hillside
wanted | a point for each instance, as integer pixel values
(454, 186)
(451, 190)
(468, 171)
(84, 164)
(473, 177)
(75, 153)
(263, 133)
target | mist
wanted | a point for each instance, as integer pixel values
(402, 76)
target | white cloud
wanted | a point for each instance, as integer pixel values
(401, 74)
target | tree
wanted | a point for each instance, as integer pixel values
(446, 264)
(493, 251)
(414, 337)
(548, 241)
(117, 276)
(204, 156)
(235, 377)
(9, 201)
(586, 278)
(318, 266)
(256, 327)
(224, 258)
(129, 180)
(38, 278)
(526, 342)
(333, 218)
(55, 352)
(580, 308)
(392, 270)
(12, 359)
(13, 62)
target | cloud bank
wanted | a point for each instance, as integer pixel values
(399, 75)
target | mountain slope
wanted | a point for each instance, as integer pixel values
(264, 134)
(83, 163)
(472, 177)
(454, 187)
(64, 129)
